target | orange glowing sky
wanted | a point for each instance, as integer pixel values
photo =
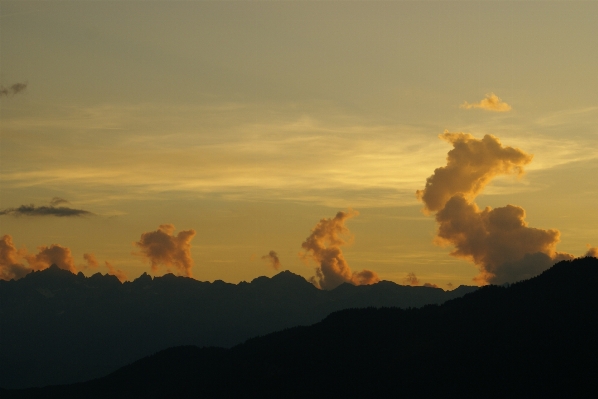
(247, 123)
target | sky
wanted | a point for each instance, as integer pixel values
(226, 140)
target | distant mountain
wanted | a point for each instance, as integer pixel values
(57, 327)
(536, 338)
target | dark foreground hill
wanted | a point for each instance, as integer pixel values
(57, 327)
(536, 338)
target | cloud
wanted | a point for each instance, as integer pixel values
(57, 201)
(490, 103)
(12, 90)
(411, 279)
(122, 276)
(54, 254)
(161, 247)
(272, 258)
(471, 164)
(92, 262)
(32, 210)
(592, 251)
(10, 267)
(323, 246)
(499, 241)
(431, 285)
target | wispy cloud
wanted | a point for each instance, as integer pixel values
(13, 89)
(490, 103)
(272, 259)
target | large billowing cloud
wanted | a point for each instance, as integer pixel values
(471, 164)
(490, 103)
(272, 258)
(324, 246)
(13, 89)
(498, 240)
(163, 248)
(592, 251)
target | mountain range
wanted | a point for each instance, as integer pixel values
(59, 328)
(535, 338)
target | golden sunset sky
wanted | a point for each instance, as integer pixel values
(250, 121)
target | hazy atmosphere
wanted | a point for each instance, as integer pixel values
(445, 143)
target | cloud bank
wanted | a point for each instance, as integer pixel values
(323, 246)
(163, 248)
(498, 241)
(490, 103)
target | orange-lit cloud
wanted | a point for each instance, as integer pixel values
(471, 164)
(592, 251)
(411, 279)
(324, 246)
(122, 276)
(54, 254)
(272, 259)
(490, 103)
(161, 247)
(10, 267)
(431, 285)
(498, 240)
(92, 262)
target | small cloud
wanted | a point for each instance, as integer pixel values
(12, 90)
(411, 279)
(57, 201)
(122, 276)
(10, 267)
(54, 254)
(272, 258)
(490, 103)
(431, 285)
(450, 285)
(592, 251)
(162, 247)
(92, 262)
(32, 210)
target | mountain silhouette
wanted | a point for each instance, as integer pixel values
(58, 328)
(535, 338)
